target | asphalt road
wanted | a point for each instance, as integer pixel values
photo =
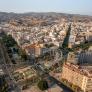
(46, 75)
(38, 68)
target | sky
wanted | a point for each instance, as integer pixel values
(63, 6)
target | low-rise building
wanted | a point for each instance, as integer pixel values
(35, 50)
(25, 76)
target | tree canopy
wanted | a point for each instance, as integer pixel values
(43, 85)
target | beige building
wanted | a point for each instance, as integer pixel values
(77, 77)
(34, 50)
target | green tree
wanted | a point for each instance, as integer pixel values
(9, 41)
(43, 85)
(23, 54)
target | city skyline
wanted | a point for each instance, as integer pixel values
(45, 45)
(63, 6)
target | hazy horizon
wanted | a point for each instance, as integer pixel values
(82, 7)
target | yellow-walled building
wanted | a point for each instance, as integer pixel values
(77, 77)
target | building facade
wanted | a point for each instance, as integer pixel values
(77, 78)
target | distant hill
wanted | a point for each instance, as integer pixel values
(51, 15)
